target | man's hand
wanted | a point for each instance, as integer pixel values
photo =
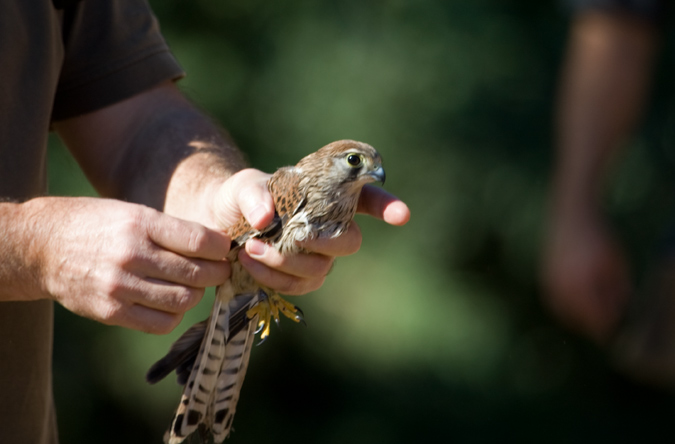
(123, 264)
(586, 276)
(245, 193)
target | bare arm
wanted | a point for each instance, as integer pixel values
(604, 83)
(190, 155)
(123, 263)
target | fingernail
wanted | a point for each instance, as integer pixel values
(255, 247)
(257, 214)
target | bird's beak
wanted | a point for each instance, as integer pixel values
(378, 174)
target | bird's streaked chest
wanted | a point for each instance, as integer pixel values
(319, 217)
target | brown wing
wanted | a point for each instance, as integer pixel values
(240, 231)
(283, 186)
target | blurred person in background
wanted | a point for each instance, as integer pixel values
(101, 76)
(605, 80)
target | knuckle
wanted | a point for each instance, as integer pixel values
(314, 284)
(274, 259)
(186, 298)
(353, 241)
(247, 175)
(133, 221)
(112, 313)
(198, 239)
(324, 266)
(166, 327)
(286, 285)
(317, 265)
(126, 255)
(292, 286)
(113, 286)
(193, 274)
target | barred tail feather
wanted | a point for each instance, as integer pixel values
(203, 377)
(203, 399)
(230, 381)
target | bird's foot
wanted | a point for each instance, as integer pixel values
(269, 307)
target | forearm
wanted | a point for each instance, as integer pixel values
(19, 239)
(190, 157)
(604, 83)
(156, 149)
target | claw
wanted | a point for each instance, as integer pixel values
(299, 316)
(261, 325)
(268, 308)
(262, 339)
(301, 320)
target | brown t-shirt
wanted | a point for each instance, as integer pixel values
(58, 59)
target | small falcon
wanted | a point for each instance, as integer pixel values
(317, 197)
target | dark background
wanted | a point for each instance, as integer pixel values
(434, 332)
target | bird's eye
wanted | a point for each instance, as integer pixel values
(354, 160)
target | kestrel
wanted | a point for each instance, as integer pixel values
(317, 197)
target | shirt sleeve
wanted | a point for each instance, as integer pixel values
(651, 10)
(113, 50)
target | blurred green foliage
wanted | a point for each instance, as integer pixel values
(433, 332)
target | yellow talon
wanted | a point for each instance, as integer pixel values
(289, 310)
(269, 308)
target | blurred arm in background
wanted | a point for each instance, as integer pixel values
(604, 82)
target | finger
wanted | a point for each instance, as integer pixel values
(165, 296)
(344, 245)
(148, 320)
(167, 266)
(306, 265)
(281, 282)
(245, 194)
(255, 200)
(136, 316)
(382, 205)
(188, 238)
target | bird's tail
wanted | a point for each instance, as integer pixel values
(210, 359)
(232, 371)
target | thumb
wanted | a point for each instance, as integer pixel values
(244, 194)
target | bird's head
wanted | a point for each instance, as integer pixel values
(347, 162)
